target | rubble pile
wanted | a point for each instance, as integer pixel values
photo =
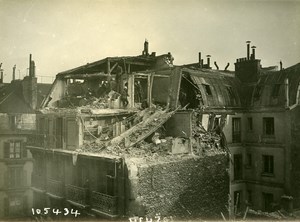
(204, 141)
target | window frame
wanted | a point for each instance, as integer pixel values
(268, 165)
(269, 131)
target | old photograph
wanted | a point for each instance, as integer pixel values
(148, 110)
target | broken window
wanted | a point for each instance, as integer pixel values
(238, 163)
(249, 124)
(268, 126)
(275, 91)
(207, 89)
(268, 164)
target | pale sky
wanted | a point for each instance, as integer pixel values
(64, 34)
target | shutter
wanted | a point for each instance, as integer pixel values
(23, 148)
(6, 149)
(6, 208)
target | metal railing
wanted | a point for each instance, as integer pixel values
(77, 194)
(55, 187)
(104, 203)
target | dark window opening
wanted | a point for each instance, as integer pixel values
(236, 130)
(268, 164)
(237, 201)
(250, 123)
(249, 160)
(238, 163)
(249, 197)
(275, 91)
(268, 125)
(207, 90)
(268, 201)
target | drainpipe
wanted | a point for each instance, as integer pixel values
(286, 88)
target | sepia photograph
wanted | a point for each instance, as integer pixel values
(149, 110)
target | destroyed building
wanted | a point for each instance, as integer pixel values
(18, 101)
(117, 137)
(137, 135)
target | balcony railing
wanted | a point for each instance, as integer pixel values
(55, 187)
(77, 194)
(37, 140)
(37, 181)
(104, 203)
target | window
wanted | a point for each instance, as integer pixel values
(268, 164)
(249, 197)
(236, 130)
(12, 122)
(237, 167)
(268, 126)
(275, 91)
(249, 124)
(249, 160)
(12, 149)
(268, 202)
(237, 200)
(207, 89)
(15, 176)
(258, 91)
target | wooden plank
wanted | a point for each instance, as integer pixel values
(85, 76)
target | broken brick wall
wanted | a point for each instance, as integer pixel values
(191, 187)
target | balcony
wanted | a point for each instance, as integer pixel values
(38, 182)
(104, 203)
(55, 188)
(77, 195)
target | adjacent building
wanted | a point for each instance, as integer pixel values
(18, 101)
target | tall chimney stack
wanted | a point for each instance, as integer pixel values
(199, 57)
(14, 73)
(253, 52)
(146, 48)
(208, 61)
(280, 65)
(248, 50)
(1, 74)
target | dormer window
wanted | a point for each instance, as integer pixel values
(207, 89)
(275, 90)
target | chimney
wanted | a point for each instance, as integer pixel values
(227, 66)
(146, 48)
(199, 61)
(216, 65)
(14, 73)
(29, 85)
(1, 74)
(208, 61)
(253, 52)
(286, 88)
(248, 50)
(280, 65)
(202, 63)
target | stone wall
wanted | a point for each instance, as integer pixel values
(190, 187)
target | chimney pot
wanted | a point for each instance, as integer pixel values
(253, 52)
(208, 61)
